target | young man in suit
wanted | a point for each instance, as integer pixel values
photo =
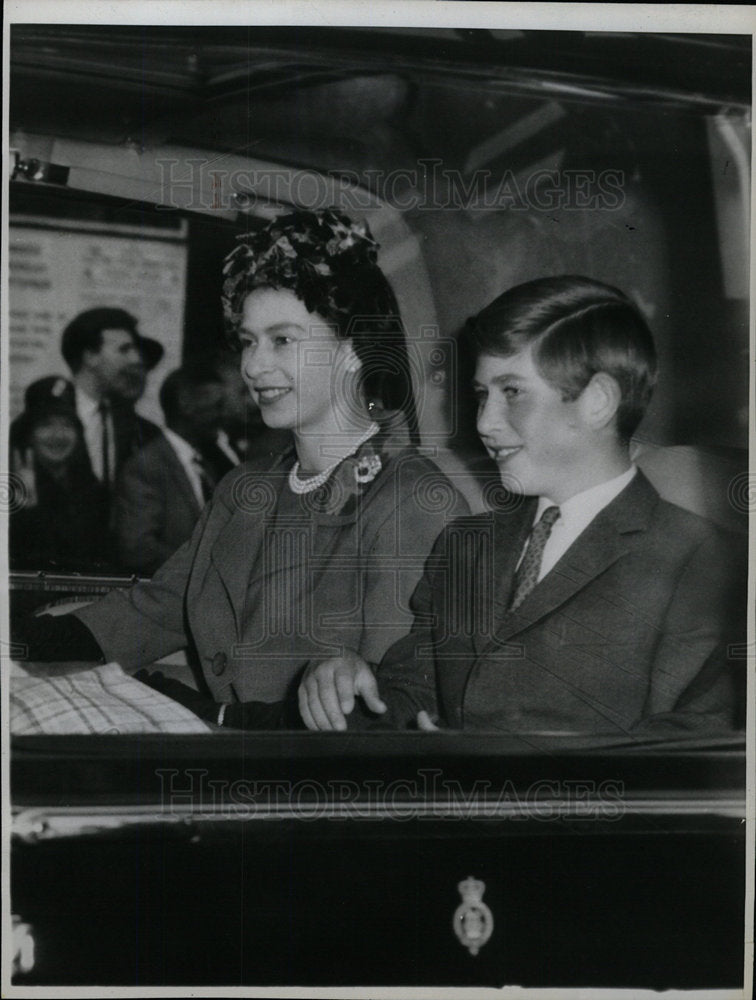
(109, 360)
(585, 603)
(163, 487)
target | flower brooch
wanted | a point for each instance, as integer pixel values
(367, 468)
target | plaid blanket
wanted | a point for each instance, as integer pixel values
(100, 700)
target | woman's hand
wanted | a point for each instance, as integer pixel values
(328, 691)
(22, 465)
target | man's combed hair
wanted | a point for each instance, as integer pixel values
(84, 332)
(577, 328)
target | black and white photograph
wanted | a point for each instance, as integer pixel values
(375, 488)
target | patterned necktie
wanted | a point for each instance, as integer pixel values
(526, 576)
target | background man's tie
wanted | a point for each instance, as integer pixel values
(107, 476)
(206, 480)
(526, 576)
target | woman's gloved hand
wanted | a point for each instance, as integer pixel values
(236, 715)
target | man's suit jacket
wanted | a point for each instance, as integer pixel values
(628, 630)
(217, 461)
(155, 507)
(131, 433)
(260, 596)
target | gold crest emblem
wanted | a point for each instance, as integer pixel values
(473, 921)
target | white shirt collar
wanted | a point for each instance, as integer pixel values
(586, 505)
(576, 514)
(85, 405)
(224, 443)
(185, 451)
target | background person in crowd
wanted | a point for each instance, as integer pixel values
(164, 486)
(244, 433)
(588, 603)
(318, 551)
(109, 360)
(62, 521)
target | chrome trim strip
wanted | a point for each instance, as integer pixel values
(39, 824)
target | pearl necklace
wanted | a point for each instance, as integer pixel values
(300, 486)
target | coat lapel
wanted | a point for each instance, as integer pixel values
(128, 431)
(602, 543)
(237, 546)
(179, 477)
(236, 551)
(509, 531)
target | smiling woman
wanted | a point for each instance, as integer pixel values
(292, 361)
(64, 512)
(316, 554)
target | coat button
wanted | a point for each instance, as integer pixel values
(219, 664)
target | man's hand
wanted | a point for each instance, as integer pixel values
(425, 723)
(328, 690)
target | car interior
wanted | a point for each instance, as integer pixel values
(480, 159)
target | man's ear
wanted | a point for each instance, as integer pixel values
(88, 357)
(600, 400)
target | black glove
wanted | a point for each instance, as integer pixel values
(237, 715)
(263, 715)
(47, 638)
(201, 704)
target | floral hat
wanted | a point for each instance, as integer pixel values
(314, 254)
